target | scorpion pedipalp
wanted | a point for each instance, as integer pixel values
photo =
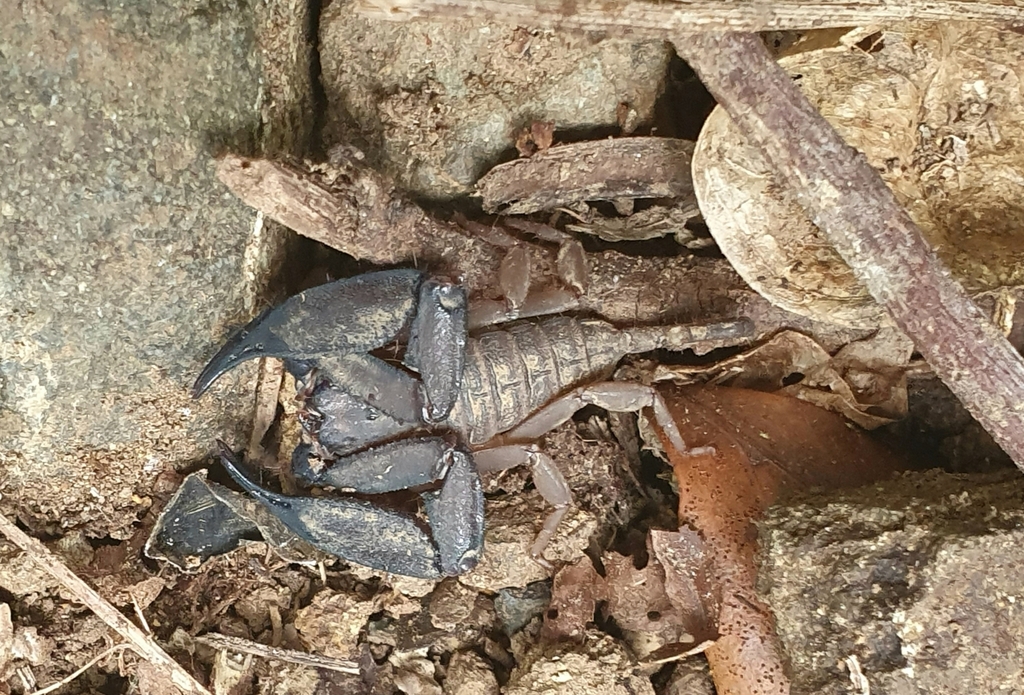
(437, 346)
(455, 511)
(456, 514)
(371, 309)
(350, 528)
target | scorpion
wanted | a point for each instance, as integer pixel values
(462, 404)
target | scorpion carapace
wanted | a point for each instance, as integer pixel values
(467, 403)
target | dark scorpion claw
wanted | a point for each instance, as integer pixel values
(352, 529)
(354, 315)
(437, 346)
(380, 538)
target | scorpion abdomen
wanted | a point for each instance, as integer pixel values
(511, 373)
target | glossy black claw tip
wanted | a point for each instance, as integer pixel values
(255, 340)
(353, 315)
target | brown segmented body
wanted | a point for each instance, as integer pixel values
(511, 373)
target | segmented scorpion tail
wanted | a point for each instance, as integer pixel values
(699, 338)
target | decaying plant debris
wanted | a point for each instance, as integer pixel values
(656, 564)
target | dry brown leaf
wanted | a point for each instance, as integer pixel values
(577, 589)
(865, 381)
(146, 591)
(664, 610)
(331, 624)
(764, 445)
(689, 583)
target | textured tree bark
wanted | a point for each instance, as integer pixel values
(851, 204)
(654, 19)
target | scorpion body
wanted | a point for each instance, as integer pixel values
(476, 403)
(509, 374)
(512, 373)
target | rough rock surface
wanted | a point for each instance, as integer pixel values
(122, 262)
(436, 103)
(914, 583)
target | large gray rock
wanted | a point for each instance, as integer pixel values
(914, 583)
(436, 103)
(123, 260)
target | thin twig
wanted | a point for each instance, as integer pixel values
(847, 199)
(92, 662)
(292, 656)
(141, 643)
(139, 614)
(661, 18)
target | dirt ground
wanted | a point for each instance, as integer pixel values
(130, 263)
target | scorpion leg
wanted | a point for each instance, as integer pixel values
(351, 529)
(437, 346)
(547, 478)
(616, 396)
(357, 314)
(555, 300)
(514, 280)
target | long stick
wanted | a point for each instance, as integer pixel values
(849, 202)
(140, 642)
(660, 18)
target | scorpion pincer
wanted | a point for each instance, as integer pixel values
(462, 404)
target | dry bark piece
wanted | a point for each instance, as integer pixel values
(940, 146)
(6, 639)
(244, 646)
(654, 222)
(643, 167)
(357, 211)
(231, 675)
(268, 389)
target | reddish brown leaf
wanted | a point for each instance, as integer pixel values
(764, 445)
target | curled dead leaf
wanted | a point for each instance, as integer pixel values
(764, 445)
(666, 609)
(865, 382)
